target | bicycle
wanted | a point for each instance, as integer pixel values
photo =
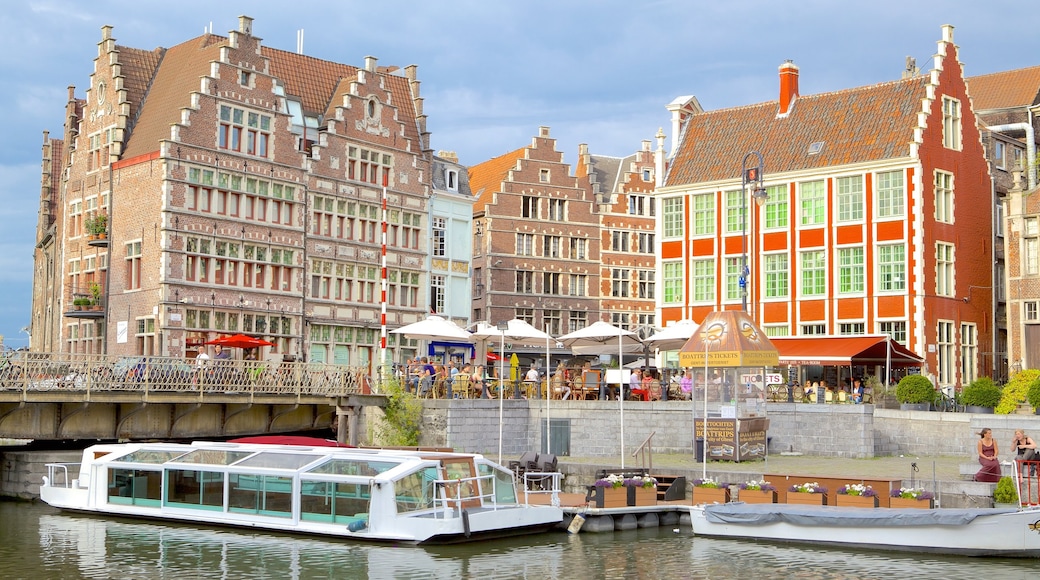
(946, 403)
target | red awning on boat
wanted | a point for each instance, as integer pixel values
(843, 351)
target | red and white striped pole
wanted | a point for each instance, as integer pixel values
(382, 297)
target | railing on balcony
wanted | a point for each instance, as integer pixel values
(85, 301)
(25, 371)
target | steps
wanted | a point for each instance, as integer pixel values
(670, 487)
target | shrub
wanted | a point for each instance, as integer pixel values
(1005, 491)
(1016, 390)
(402, 417)
(981, 393)
(915, 389)
(1034, 394)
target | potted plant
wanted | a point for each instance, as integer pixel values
(610, 492)
(642, 490)
(80, 303)
(809, 493)
(95, 292)
(1033, 396)
(981, 396)
(911, 497)
(915, 393)
(88, 227)
(99, 226)
(757, 492)
(1005, 495)
(709, 490)
(857, 495)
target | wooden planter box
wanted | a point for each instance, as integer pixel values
(642, 496)
(710, 495)
(611, 497)
(800, 498)
(902, 502)
(757, 496)
(860, 501)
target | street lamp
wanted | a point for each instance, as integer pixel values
(750, 175)
(502, 327)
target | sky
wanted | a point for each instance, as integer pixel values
(492, 72)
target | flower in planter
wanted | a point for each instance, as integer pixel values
(912, 493)
(646, 482)
(758, 486)
(812, 487)
(857, 489)
(707, 482)
(612, 480)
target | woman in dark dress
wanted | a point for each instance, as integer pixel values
(987, 451)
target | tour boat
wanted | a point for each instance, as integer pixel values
(365, 494)
(1005, 532)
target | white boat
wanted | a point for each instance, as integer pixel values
(364, 494)
(966, 532)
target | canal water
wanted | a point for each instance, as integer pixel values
(38, 542)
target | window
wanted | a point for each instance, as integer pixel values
(703, 280)
(951, 109)
(646, 243)
(944, 273)
(244, 131)
(524, 244)
(133, 265)
(619, 278)
(437, 293)
(1031, 311)
(814, 273)
(851, 270)
(813, 203)
(557, 210)
(945, 352)
(578, 285)
(703, 214)
(777, 330)
(551, 246)
(551, 283)
(369, 166)
(850, 198)
(998, 156)
(577, 320)
(438, 243)
(579, 249)
(619, 240)
(847, 328)
(890, 194)
(944, 197)
(553, 319)
(321, 279)
(529, 207)
(524, 282)
(892, 267)
(1031, 246)
(543, 175)
(814, 329)
(998, 212)
(640, 205)
(777, 275)
(733, 279)
(672, 277)
(647, 175)
(451, 179)
(776, 206)
(896, 330)
(969, 352)
(646, 284)
(621, 320)
(672, 217)
(734, 211)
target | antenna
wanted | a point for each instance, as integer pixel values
(299, 41)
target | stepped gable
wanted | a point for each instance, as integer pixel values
(855, 125)
(1004, 90)
(486, 178)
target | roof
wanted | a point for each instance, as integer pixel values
(843, 351)
(607, 171)
(1005, 90)
(137, 67)
(486, 178)
(869, 123)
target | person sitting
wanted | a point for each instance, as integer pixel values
(426, 375)
(986, 449)
(686, 384)
(533, 381)
(635, 385)
(1024, 449)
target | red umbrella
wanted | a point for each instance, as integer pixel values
(240, 341)
(493, 356)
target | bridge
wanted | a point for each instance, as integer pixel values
(60, 397)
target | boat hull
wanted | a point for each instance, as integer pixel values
(977, 532)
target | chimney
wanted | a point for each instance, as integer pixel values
(788, 87)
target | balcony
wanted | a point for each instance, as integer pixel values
(85, 301)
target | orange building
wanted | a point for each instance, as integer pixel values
(878, 218)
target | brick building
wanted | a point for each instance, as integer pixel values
(242, 188)
(878, 216)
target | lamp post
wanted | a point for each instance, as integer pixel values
(502, 327)
(750, 175)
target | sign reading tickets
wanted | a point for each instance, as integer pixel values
(741, 439)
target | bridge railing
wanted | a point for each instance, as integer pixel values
(28, 371)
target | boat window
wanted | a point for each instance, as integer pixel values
(135, 487)
(354, 467)
(278, 460)
(416, 491)
(338, 503)
(505, 491)
(195, 489)
(266, 495)
(151, 456)
(213, 457)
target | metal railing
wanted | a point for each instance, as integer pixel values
(454, 502)
(79, 373)
(542, 483)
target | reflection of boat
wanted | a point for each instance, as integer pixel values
(967, 532)
(370, 494)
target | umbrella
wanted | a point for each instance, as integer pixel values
(240, 341)
(602, 338)
(434, 328)
(673, 336)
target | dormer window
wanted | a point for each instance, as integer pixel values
(451, 179)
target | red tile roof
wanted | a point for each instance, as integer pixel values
(486, 178)
(1003, 90)
(137, 67)
(855, 125)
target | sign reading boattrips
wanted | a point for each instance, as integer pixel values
(729, 339)
(737, 439)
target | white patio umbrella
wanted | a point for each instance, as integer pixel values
(602, 338)
(673, 336)
(517, 332)
(434, 328)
